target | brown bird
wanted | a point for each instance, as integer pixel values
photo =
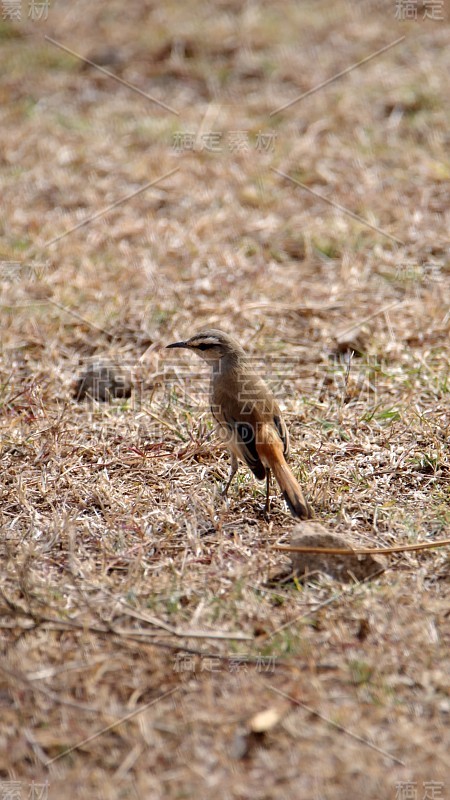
(248, 417)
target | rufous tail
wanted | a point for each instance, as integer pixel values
(270, 451)
(292, 493)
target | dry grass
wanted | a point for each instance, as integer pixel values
(118, 555)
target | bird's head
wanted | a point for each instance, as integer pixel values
(212, 345)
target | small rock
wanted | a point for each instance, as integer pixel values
(351, 341)
(344, 568)
(265, 720)
(102, 381)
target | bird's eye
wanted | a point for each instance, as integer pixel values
(204, 346)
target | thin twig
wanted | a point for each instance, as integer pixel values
(361, 551)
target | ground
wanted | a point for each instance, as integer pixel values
(279, 171)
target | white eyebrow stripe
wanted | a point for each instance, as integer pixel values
(205, 340)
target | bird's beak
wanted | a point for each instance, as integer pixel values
(177, 344)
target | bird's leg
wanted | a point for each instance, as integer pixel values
(233, 470)
(267, 506)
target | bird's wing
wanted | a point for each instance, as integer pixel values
(241, 410)
(241, 439)
(257, 399)
(238, 431)
(278, 421)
